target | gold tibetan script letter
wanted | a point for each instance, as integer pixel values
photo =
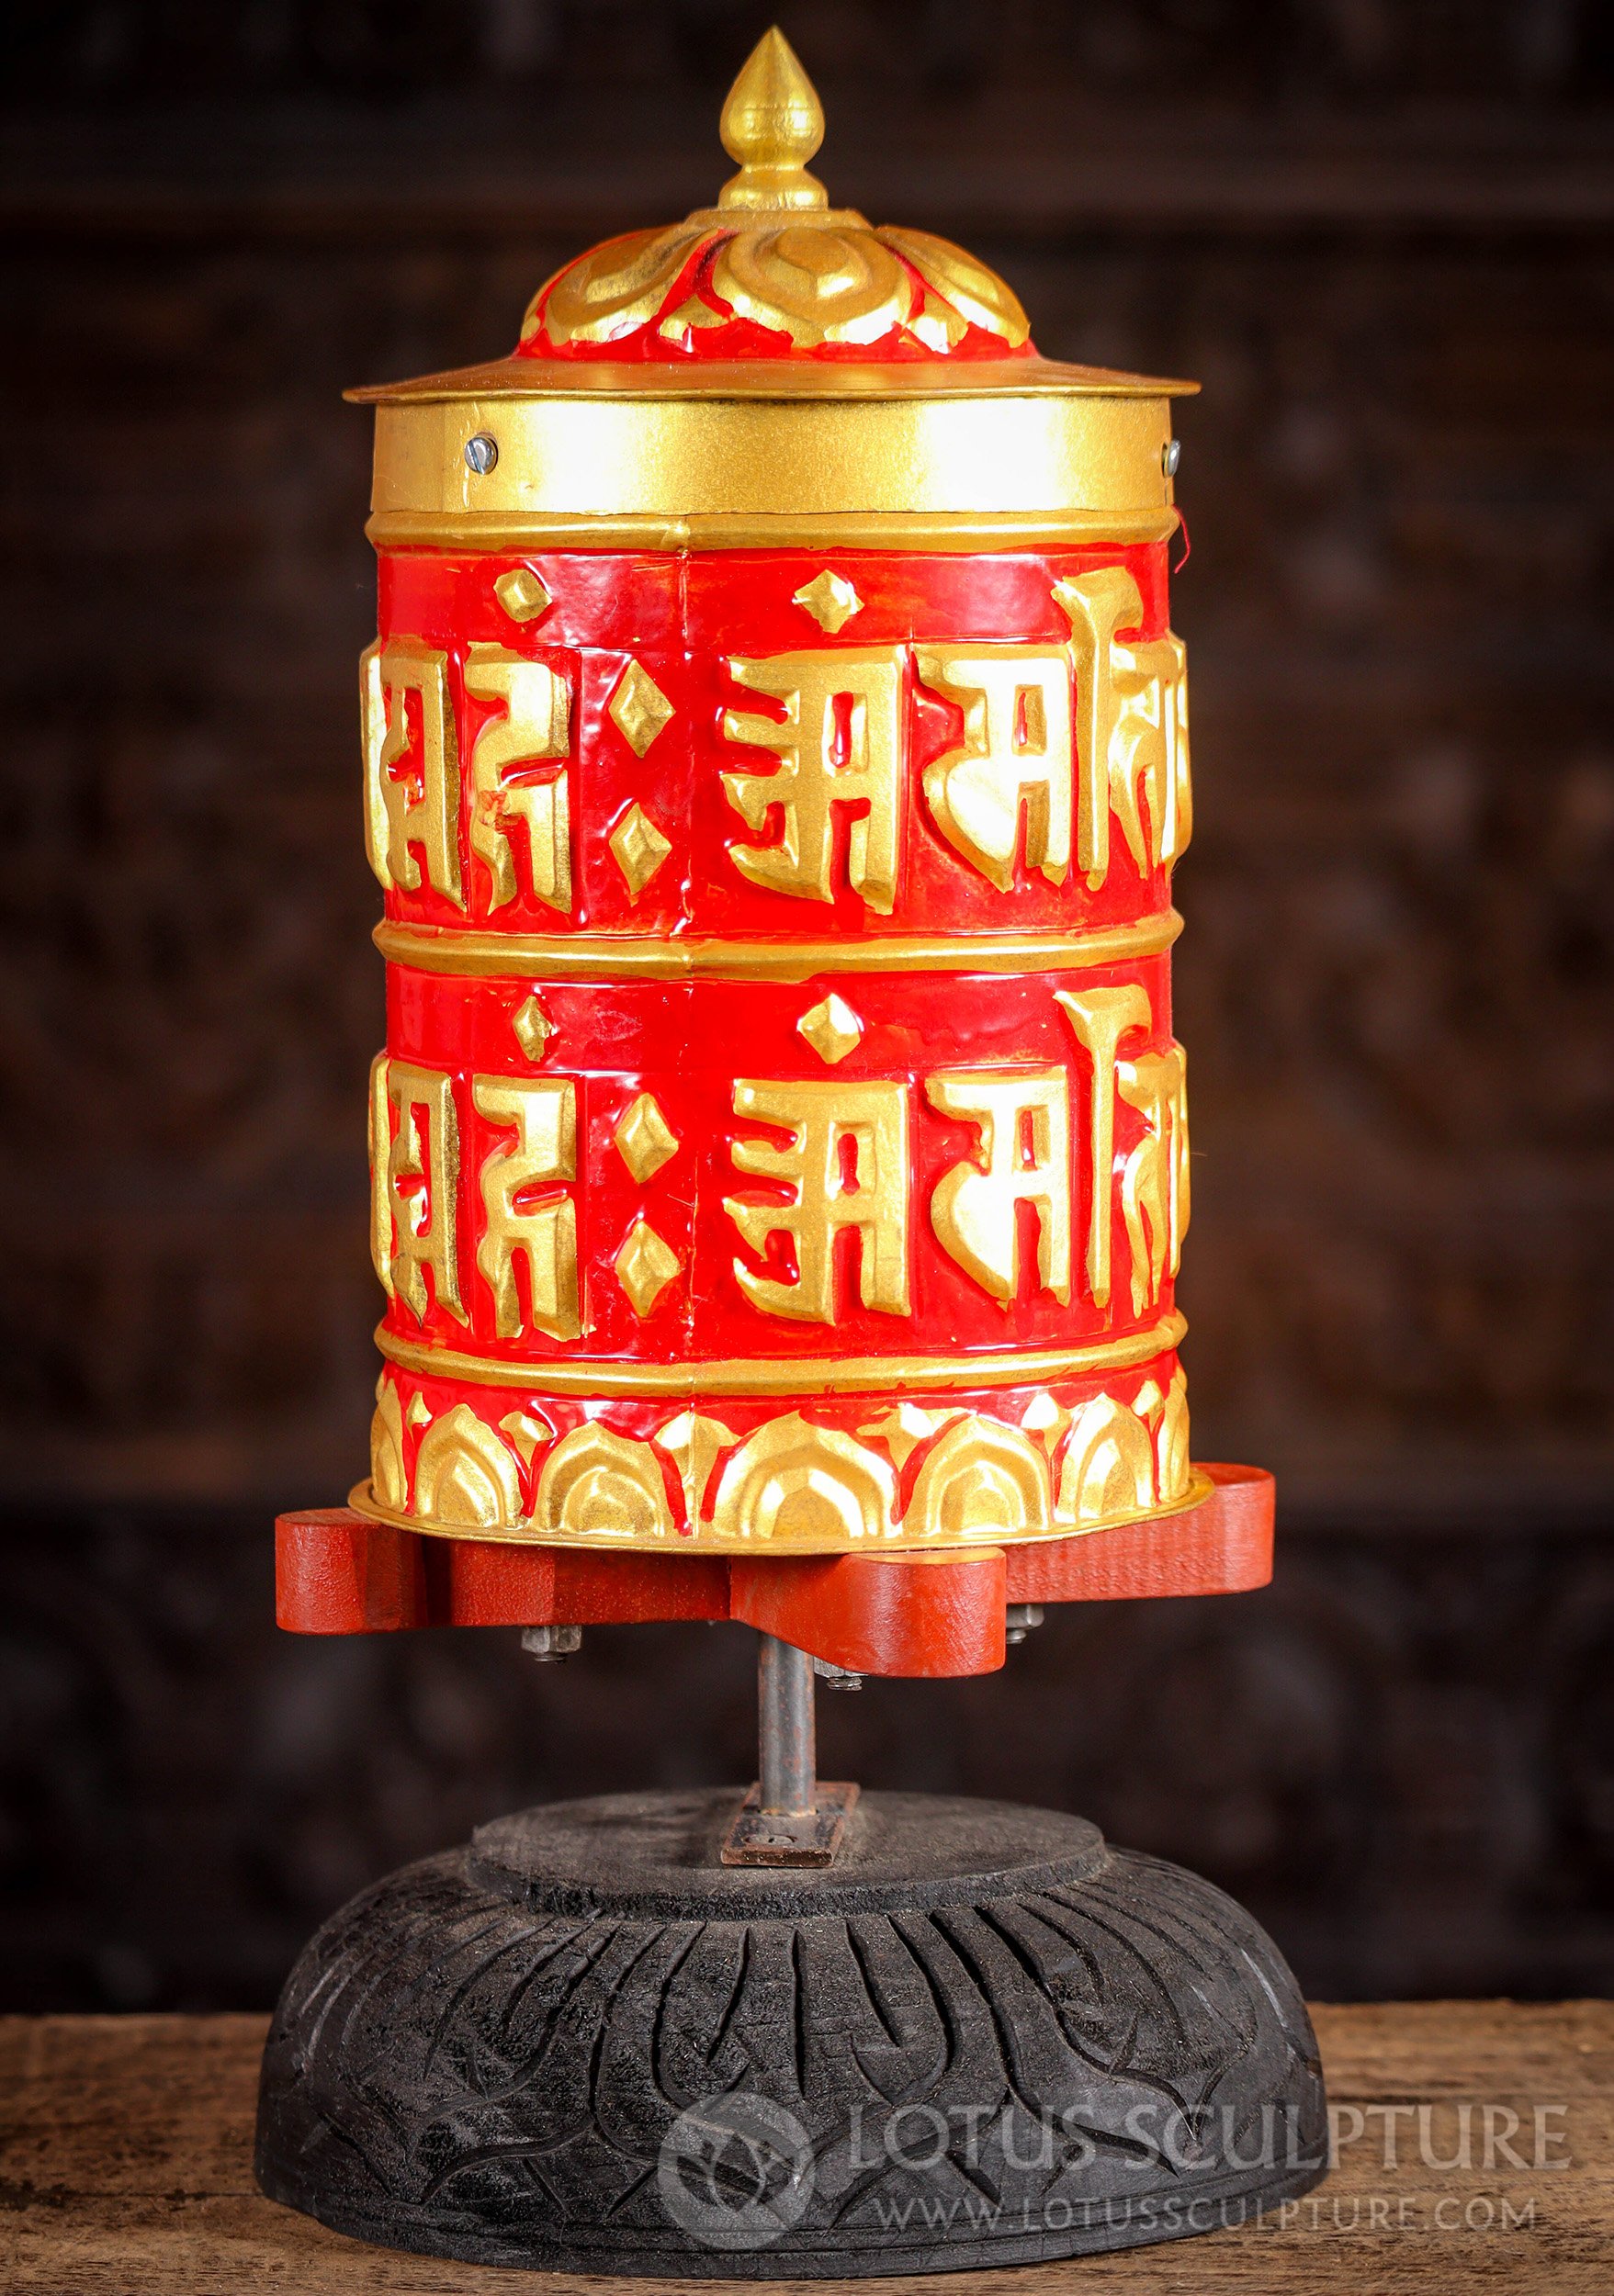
(847, 1165)
(1016, 751)
(534, 726)
(1131, 725)
(841, 743)
(544, 1113)
(1023, 1121)
(414, 1181)
(1154, 1179)
(396, 818)
(1099, 1018)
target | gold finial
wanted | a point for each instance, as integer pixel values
(773, 123)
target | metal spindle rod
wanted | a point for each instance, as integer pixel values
(786, 1738)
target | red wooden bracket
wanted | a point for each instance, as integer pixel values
(337, 1573)
(880, 1614)
(1222, 1547)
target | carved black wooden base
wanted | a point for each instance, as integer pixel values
(982, 2037)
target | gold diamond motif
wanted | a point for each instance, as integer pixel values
(639, 849)
(830, 600)
(644, 1140)
(521, 595)
(638, 708)
(533, 1028)
(645, 1266)
(832, 1029)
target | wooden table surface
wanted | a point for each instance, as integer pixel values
(126, 2144)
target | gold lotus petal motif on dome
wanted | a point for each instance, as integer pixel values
(612, 289)
(955, 277)
(938, 326)
(814, 283)
(687, 317)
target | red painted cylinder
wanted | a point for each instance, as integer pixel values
(776, 756)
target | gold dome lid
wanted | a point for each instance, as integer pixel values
(762, 371)
(774, 292)
(773, 271)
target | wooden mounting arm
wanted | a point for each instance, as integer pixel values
(904, 1613)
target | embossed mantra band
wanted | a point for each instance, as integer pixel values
(775, 756)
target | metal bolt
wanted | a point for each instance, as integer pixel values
(836, 1677)
(1019, 1619)
(480, 453)
(1170, 455)
(549, 1645)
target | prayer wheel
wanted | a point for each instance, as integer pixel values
(776, 758)
(775, 755)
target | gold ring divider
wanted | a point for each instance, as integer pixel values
(638, 956)
(619, 1381)
(807, 530)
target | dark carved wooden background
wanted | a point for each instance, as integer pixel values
(1381, 235)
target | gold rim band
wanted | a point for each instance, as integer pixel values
(788, 1375)
(761, 462)
(942, 531)
(521, 377)
(637, 956)
(361, 1500)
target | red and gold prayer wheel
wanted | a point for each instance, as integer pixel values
(776, 756)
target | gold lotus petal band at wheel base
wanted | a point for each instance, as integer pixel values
(642, 956)
(704, 1542)
(621, 1380)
